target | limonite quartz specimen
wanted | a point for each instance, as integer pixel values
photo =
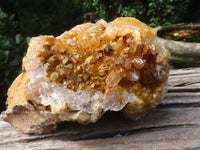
(86, 71)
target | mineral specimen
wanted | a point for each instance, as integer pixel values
(86, 71)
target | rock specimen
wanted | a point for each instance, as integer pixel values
(81, 74)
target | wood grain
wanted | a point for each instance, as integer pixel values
(174, 124)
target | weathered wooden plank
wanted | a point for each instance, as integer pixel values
(181, 98)
(111, 125)
(177, 80)
(174, 124)
(183, 86)
(160, 127)
(183, 137)
(184, 71)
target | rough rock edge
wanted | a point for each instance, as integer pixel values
(30, 118)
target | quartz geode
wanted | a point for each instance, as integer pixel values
(81, 74)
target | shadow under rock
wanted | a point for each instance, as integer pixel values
(113, 124)
(101, 129)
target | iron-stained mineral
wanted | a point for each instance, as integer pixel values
(86, 71)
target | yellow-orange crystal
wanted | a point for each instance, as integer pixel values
(86, 59)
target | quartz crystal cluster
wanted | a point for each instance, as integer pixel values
(86, 71)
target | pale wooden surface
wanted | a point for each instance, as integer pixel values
(174, 124)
